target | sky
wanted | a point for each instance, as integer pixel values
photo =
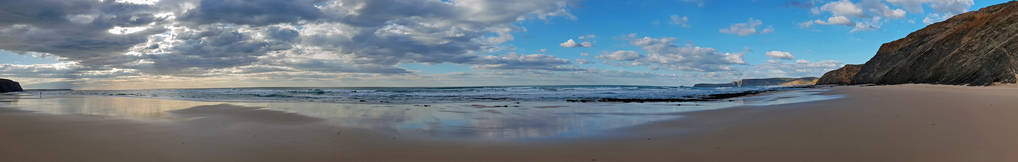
(145, 44)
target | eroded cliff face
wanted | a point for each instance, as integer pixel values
(841, 76)
(974, 48)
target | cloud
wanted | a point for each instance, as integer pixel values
(798, 68)
(532, 61)
(934, 18)
(780, 55)
(572, 44)
(842, 8)
(807, 24)
(878, 8)
(199, 38)
(75, 30)
(252, 12)
(582, 61)
(663, 53)
(747, 28)
(940, 6)
(679, 20)
(871, 14)
(835, 20)
(57, 70)
(621, 55)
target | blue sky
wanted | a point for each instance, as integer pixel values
(131, 44)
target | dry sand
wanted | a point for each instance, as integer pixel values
(879, 123)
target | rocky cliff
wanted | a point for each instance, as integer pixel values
(973, 48)
(840, 76)
(7, 85)
(762, 82)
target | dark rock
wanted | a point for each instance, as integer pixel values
(973, 48)
(709, 97)
(762, 82)
(7, 85)
(842, 76)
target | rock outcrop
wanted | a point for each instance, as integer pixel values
(7, 85)
(762, 82)
(973, 48)
(842, 76)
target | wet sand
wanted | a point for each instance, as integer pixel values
(878, 123)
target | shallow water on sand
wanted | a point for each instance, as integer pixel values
(507, 120)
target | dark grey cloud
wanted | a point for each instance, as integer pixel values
(215, 47)
(75, 30)
(252, 12)
(193, 37)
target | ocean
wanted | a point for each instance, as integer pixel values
(421, 95)
(481, 113)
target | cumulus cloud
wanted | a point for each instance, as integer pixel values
(780, 55)
(747, 28)
(842, 8)
(943, 9)
(572, 44)
(664, 53)
(75, 30)
(878, 8)
(191, 37)
(836, 20)
(870, 14)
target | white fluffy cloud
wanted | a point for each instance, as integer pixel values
(572, 43)
(664, 53)
(780, 55)
(747, 28)
(870, 14)
(842, 8)
(836, 20)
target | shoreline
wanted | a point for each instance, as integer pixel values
(878, 123)
(367, 95)
(478, 121)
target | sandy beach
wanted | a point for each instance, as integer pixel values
(875, 123)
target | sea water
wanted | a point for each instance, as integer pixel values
(485, 113)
